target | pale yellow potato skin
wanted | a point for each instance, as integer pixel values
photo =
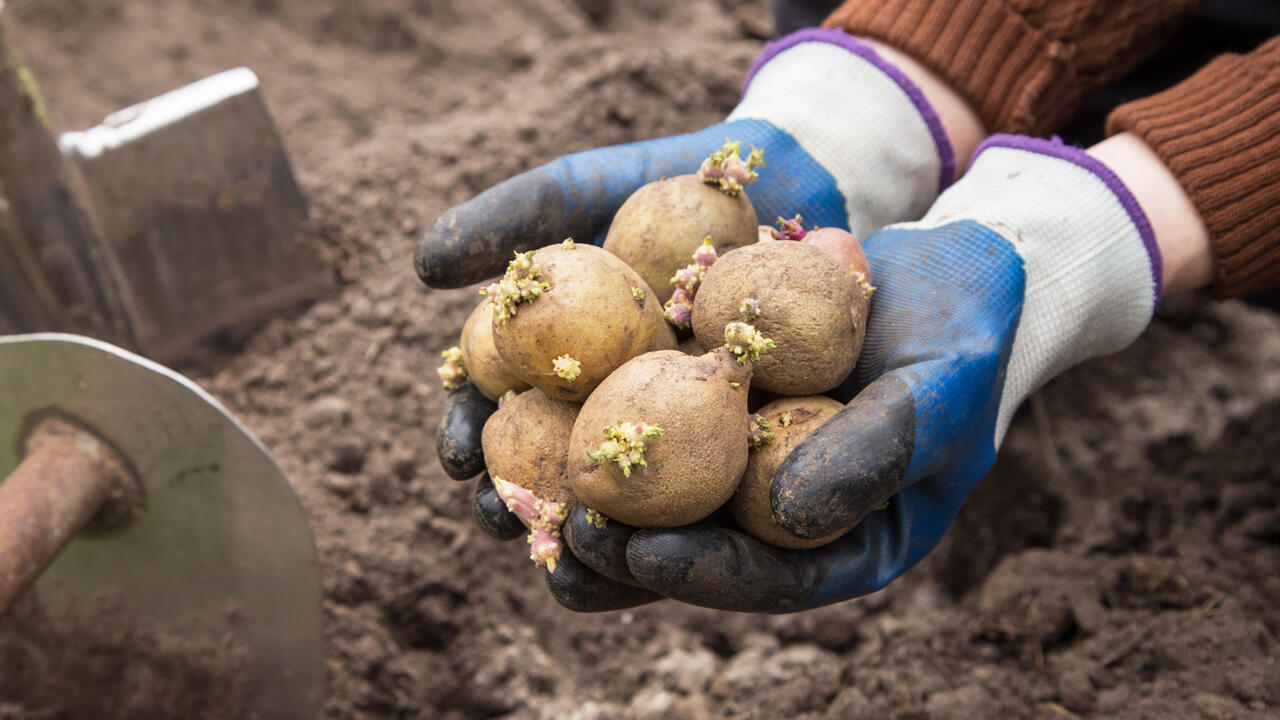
(694, 467)
(657, 229)
(750, 505)
(526, 442)
(810, 306)
(591, 313)
(486, 368)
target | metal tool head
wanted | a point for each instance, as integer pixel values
(200, 213)
(223, 548)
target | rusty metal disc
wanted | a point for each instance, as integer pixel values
(223, 551)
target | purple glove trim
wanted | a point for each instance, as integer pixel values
(946, 154)
(1058, 149)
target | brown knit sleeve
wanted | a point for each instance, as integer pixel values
(1219, 132)
(1025, 65)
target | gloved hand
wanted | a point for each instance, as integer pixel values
(849, 140)
(1038, 258)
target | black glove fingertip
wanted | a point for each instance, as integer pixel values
(458, 435)
(491, 513)
(721, 569)
(848, 466)
(581, 589)
(474, 240)
(603, 549)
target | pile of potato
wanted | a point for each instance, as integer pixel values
(599, 400)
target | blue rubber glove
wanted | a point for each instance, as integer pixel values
(849, 142)
(1037, 259)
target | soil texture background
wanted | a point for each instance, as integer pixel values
(1122, 560)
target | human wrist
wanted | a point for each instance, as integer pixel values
(1179, 231)
(861, 118)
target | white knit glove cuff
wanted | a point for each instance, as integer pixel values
(1092, 266)
(859, 117)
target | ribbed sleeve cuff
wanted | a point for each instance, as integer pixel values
(1018, 79)
(1219, 132)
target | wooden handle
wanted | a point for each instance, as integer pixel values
(67, 477)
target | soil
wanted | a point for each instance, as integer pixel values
(1120, 561)
(102, 661)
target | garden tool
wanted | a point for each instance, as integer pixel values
(124, 477)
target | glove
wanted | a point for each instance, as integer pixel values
(1037, 259)
(850, 141)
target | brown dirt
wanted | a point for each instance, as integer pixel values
(1120, 561)
(75, 662)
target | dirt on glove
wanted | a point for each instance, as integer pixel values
(1120, 560)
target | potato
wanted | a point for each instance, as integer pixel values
(840, 244)
(847, 251)
(568, 315)
(525, 447)
(661, 224)
(843, 246)
(797, 295)
(663, 441)
(526, 441)
(487, 369)
(790, 421)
